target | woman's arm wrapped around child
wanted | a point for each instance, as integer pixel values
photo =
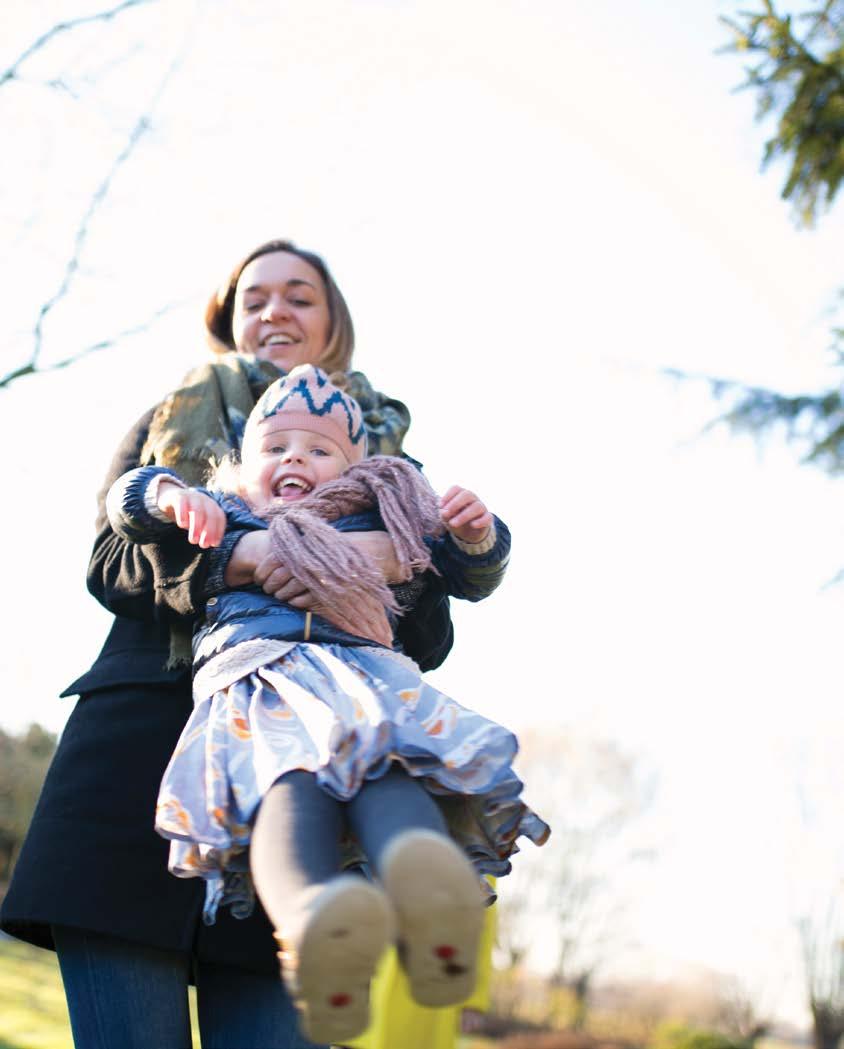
(456, 536)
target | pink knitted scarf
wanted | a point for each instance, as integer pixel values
(347, 583)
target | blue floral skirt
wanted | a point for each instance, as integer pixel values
(346, 714)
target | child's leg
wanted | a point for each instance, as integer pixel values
(295, 844)
(431, 884)
(385, 807)
(332, 928)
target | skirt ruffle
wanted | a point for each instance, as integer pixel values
(346, 714)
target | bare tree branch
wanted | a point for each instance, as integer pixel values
(62, 27)
(103, 344)
(72, 265)
(141, 126)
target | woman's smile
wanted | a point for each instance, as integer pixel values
(281, 311)
(278, 339)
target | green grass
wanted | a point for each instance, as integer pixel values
(32, 1005)
(31, 999)
(33, 1014)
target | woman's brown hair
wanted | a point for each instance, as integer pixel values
(341, 341)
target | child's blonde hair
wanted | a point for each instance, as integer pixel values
(225, 475)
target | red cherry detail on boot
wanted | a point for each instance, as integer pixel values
(338, 1000)
(445, 951)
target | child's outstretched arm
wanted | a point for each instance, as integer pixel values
(143, 503)
(472, 557)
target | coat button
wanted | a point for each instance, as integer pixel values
(212, 600)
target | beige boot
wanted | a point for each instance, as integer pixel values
(438, 902)
(328, 965)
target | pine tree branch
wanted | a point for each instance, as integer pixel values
(63, 27)
(815, 420)
(807, 88)
(823, 19)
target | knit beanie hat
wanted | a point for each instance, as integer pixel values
(306, 399)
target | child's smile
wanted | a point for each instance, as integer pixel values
(292, 487)
(289, 464)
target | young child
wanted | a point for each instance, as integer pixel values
(313, 740)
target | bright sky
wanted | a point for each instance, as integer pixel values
(530, 208)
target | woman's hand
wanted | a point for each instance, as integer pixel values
(252, 561)
(464, 515)
(193, 511)
(275, 579)
(379, 546)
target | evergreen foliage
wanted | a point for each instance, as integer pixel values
(805, 84)
(798, 74)
(801, 78)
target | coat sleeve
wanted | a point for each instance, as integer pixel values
(161, 581)
(127, 505)
(426, 632)
(472, 575)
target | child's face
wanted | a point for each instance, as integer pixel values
(288, 465)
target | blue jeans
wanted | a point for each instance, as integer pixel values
(136, 997)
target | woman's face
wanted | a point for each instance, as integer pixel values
(281, 311)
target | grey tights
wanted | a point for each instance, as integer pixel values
(296, 837)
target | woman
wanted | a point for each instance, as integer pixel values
(92, 876)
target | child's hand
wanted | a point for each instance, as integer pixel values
(464, 515)
(195, 512)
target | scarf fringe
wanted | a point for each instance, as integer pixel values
(347, 583)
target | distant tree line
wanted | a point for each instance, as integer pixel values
(23, 765)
